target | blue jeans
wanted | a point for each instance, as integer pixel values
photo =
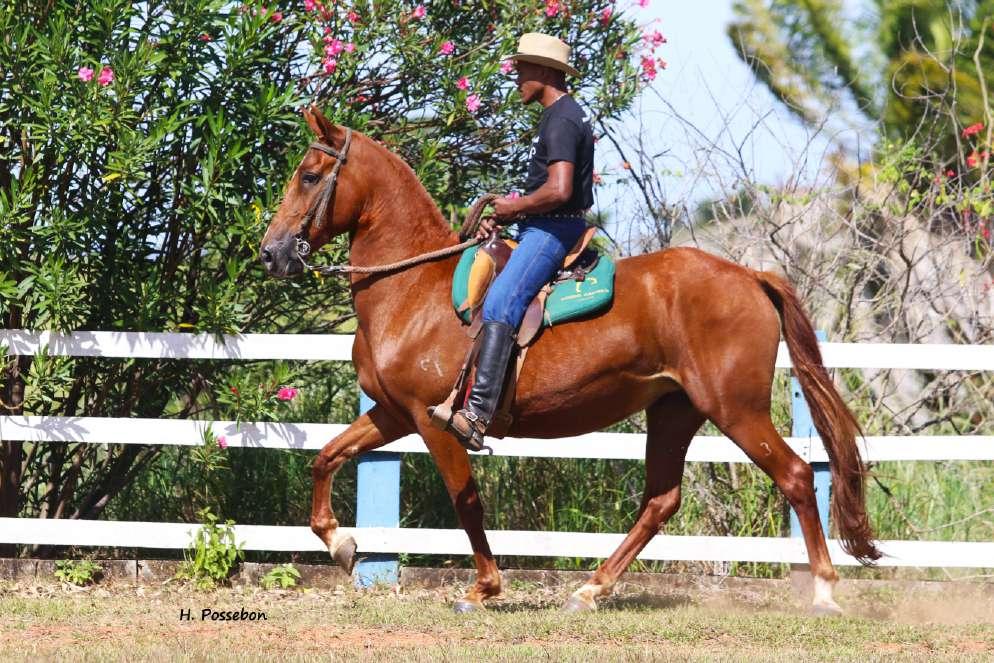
(542, 245)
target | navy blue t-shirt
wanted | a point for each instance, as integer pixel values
(564, 134)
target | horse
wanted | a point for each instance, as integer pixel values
(690, 337)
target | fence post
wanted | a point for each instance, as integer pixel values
(377, 505)
(803, 427)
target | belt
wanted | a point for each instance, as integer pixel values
(566, 214)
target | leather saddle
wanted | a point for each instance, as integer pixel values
(488, 261)
(491, 259)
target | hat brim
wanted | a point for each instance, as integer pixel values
(546, 62)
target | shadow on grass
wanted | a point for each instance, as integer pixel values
(643, 601)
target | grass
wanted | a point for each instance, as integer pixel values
(129, 622)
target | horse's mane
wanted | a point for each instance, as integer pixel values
(415, 187)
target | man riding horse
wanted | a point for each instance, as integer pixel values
(550, 219)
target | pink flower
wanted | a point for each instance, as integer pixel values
(329, 65)
(463, 83)
(654, 38)
(335, 47)
(950, 173)
(473, 103)
(353, 17)
(349, 47)
(205, 37)
(606, 15)
(643, 3)
(85, 74)
(287, 393)
(648, 67)
(420, 12)
(971, 160)
(973, 129)
(506, 67)
(309, 5)
(277, 17)
(222, 442)
(106, 76)
(447, 48)
(551, 8)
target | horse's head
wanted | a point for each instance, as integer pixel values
(323, 199)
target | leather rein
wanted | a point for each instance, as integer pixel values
(319, 208)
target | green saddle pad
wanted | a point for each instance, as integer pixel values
(568, 300)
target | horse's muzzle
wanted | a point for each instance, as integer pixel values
(281, 259)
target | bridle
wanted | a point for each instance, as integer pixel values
(319, 206)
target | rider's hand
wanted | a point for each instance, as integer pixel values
(487, 226)
(506, 207)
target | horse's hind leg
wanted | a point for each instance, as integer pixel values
(672, 422)
(759, 439)
(371, 430)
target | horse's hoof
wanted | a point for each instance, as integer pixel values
(462, 606)
(826, 610)
(575, 604)
(345, 555)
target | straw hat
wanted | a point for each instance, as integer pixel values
(545, 50)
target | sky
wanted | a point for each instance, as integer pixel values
(708, 86)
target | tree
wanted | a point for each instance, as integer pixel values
(145, 143)
(911, 63)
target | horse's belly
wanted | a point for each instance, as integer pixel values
(587, 406)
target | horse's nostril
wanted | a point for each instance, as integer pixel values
(267, 256)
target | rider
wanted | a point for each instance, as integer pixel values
(550, 219)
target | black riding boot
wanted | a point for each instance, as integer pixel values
(470, 423)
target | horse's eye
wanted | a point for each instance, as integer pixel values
(309, 178)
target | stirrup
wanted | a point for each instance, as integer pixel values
(440, 415)
(474, 440)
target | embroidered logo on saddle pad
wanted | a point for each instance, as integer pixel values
(569, 299)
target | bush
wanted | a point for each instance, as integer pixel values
(77, 573)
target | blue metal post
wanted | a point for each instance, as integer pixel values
(377, 505)
(804, 427)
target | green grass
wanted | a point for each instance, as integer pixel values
(419, 625)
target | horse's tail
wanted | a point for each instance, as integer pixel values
(836, 425)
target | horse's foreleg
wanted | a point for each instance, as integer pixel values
(371, 430)
(672, 422)
(453, 464)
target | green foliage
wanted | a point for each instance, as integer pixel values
(281, 576)
(137, 202)
(908, 64)
(213, 553)
(77, 573)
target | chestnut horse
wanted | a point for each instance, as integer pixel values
(690, 337)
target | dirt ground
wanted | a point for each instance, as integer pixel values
(712, 622)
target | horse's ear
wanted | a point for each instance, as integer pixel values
(326, 130)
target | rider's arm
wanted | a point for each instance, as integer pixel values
(557, 190)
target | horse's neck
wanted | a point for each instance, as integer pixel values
(401, 221)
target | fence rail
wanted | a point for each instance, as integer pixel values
(630, 446)
(125, 534)
(375, 540)
(338, 347)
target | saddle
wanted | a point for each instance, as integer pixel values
(583, 285)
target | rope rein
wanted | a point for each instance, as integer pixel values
(469, 228)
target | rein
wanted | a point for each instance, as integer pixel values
(319, 207)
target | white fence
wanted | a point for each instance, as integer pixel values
(98, 430)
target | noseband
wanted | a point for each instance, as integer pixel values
(319, 206)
